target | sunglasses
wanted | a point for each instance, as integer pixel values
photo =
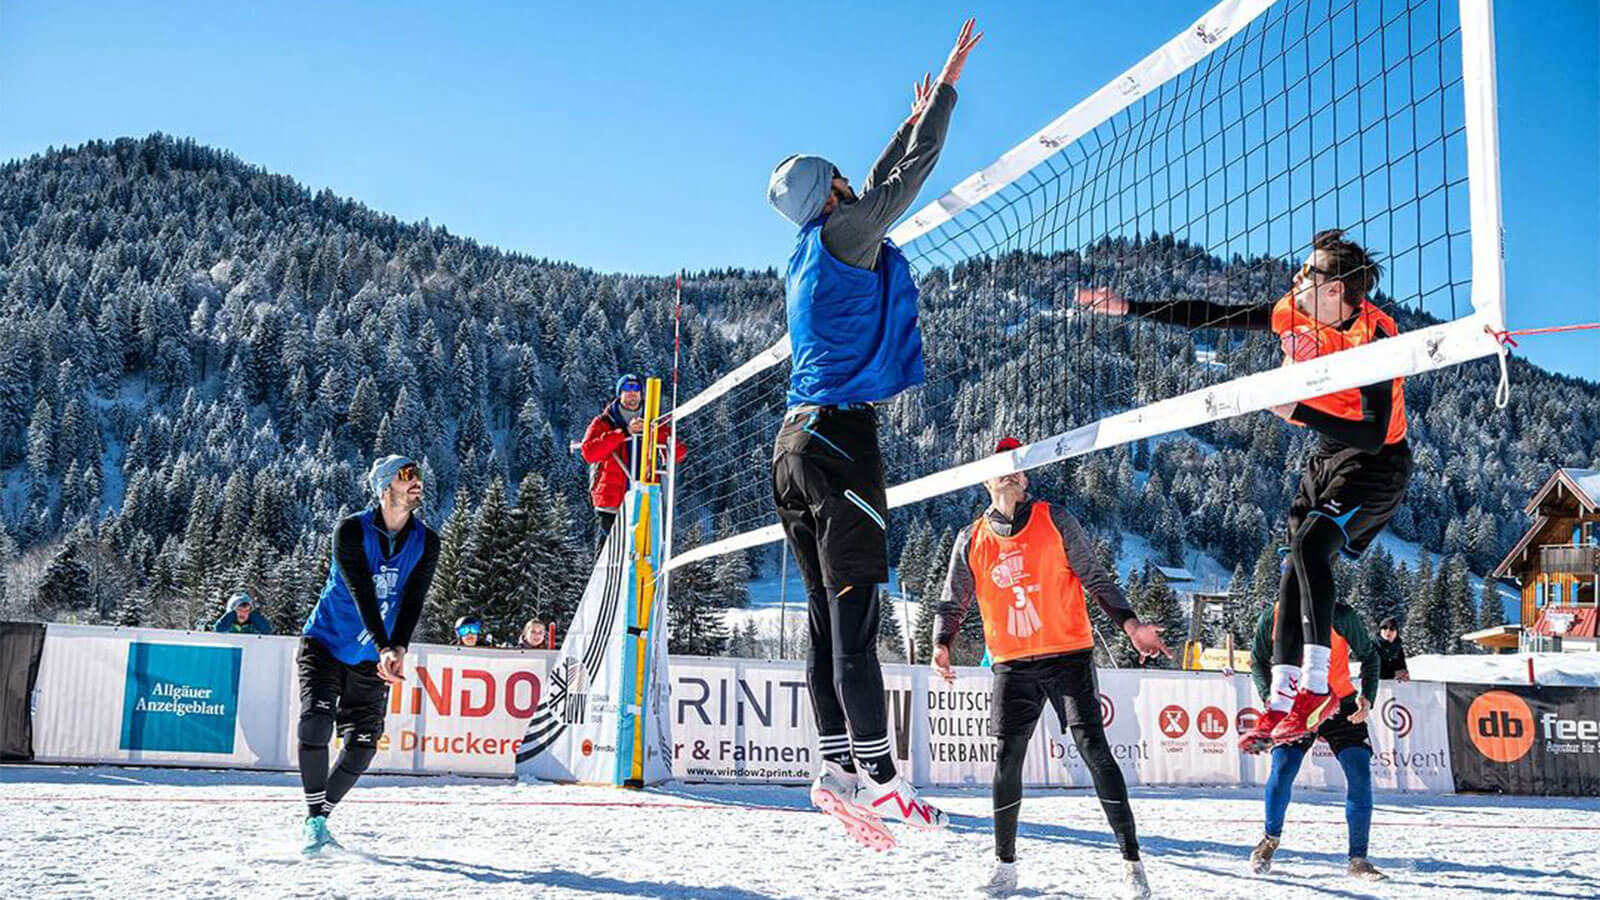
(1308, 269)
(409, 473)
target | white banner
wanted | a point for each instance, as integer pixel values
(144, 695)
(1410, 743)
(573, 735)
(460, 710)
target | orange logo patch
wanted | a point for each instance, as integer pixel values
(1501, 726)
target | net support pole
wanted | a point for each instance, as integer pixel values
(669, 511)
(1483, 161)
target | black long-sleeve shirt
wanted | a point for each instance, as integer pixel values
(1377, 400)
(350, 550)
(854, 231)
(960, 586)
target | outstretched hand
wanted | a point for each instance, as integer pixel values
(1146, 639)
(922, 95)
(1102, 301)
(957, 60)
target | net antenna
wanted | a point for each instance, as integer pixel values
(1202, 172)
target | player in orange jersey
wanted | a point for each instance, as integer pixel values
(1029, 566)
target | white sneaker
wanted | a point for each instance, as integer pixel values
(1137, 886)
(1004, 880)
(833, 791)
(897, 801)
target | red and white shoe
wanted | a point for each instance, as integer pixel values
(833, 791)
(1305, 717)
(896, 800)
(1259, 738)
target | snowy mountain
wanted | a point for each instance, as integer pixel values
(198, 358)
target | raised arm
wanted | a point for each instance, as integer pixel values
(1190, 314)
(855, 231)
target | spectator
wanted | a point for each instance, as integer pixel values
(1391, 656)
(469, 632)
(242, 617)
(608, 449)
(533, 635)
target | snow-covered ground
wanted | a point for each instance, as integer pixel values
(102, 832)
(1573, 669)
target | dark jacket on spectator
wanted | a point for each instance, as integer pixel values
(1391, 657)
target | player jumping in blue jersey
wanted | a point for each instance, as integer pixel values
(354, 643)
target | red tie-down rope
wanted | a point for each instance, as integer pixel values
(1508, 339)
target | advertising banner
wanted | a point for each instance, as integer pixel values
(460, 710)
(1525, 740)
(1407, 731)
(1186, 724)
(168, 697)
(573, 734)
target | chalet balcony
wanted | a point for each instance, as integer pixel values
(1569, 559)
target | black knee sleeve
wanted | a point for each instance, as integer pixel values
(355, 759)
(316, 727)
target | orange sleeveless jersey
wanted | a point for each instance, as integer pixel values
(1338, 660)
(1032, 602)
(1287, 320)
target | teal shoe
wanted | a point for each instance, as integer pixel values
(316, 838)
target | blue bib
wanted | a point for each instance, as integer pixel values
(336, 622)
(853, 331)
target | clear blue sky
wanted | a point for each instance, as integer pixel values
(638, 137)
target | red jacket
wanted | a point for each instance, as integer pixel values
(608, 451)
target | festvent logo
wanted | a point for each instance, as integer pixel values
(1500, 726)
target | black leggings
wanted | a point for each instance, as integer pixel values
(1108, 784)
(1307, 593)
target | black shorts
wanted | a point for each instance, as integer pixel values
(827, 480)
(355, 693)
(1359, 491)
(1021, 688)
(1339, 731)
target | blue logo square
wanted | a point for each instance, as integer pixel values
(180, 697)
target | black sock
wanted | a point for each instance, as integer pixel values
(314, 777)
(873, 755)
(835, 748)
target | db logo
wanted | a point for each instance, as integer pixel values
(1211, 723)
(1246, 719)
(588, 747)
(1108, 711)
(1174, 721)
(1396, 716)
(1501, 726)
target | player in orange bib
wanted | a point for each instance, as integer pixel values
(1353, 481)
(1029, 565)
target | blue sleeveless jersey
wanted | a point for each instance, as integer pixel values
(336, 622)
(853, 331)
